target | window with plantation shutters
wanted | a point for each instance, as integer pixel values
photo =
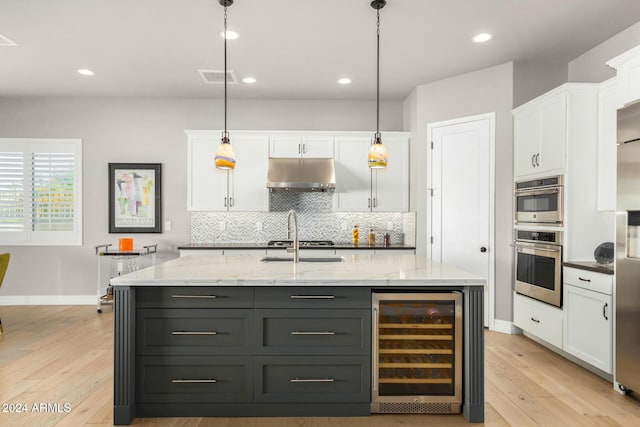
(40, 192)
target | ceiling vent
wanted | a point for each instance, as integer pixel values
(5, 41)
(217, 77)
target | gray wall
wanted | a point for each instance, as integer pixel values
(483, 91)
(149, 131)
(591, 67)
(532, 79)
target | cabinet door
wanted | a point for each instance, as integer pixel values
(317, 146)
(353, 177)
(206, 186)
(588, 326)
(607, 149)
(553, 134)
(285, 146)
(391, 184)
(527, 141)
(248, 184)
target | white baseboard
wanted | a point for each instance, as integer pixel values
(49, 300)
(506, 327)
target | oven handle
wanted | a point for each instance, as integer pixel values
(533, 248)
(538, 190)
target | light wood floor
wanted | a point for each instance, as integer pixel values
(52, 356)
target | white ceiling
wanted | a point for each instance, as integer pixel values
(296, 49)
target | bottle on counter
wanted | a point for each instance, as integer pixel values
(387, 239)
(355, 235)
(371, 237)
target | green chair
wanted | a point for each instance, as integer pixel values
(4, 263)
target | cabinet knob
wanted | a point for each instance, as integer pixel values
(483, 249)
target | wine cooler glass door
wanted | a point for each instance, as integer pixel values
(417, 347)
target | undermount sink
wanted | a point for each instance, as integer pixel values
(303, 259)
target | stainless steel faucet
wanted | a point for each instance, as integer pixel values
(296, 242)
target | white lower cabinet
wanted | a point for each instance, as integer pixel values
(588, 320)
(539, 319)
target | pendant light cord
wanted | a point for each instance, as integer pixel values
(377, 137)
(225, 134)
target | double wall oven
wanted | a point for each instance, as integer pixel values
(538, 239)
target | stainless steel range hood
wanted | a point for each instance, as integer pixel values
(301, 174)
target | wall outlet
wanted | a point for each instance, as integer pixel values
(167, 226)
(390, 226)
(259, 226)
(222, 226)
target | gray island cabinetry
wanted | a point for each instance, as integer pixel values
(234, 336)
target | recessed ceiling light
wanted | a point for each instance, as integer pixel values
(231, 35)
(482, 37)
(249, 80)
(344, 81)
(85, 72)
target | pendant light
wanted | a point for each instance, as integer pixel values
(225, 157)
(377, 157)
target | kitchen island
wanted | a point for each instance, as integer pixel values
(161, 313)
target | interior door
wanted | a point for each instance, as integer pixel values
(460, 212)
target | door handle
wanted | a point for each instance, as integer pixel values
(225, 202)
(533, 160)
(369, 202)
(538, 159)
(299, 149)
(483, 249)
(604, 310)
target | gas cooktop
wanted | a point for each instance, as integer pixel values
(303, 243)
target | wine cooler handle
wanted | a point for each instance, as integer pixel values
(375, 350)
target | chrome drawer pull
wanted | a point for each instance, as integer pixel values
(312, 380)
(195, 296)
(194, 333)
(312, 333)
(584, 280)
(194, 381)
(313, 297)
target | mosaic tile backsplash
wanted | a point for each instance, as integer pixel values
(316, 221)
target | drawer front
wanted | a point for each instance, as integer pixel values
(539, 319)
(313, 297)
(331, 332)
(193, 379)
(193, 331)
(194, 297)
(589, 280)
(312, 379)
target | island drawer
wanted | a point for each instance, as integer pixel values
(194, 379)
(193, 331)
(313, 297)
(194, 297)
(319, 332)
(312, 379)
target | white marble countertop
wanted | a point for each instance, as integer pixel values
(356, 270)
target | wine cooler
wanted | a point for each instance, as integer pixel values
(417, 353)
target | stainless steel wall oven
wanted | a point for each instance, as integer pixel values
(417, 353)
(540, 201)
(539, 265)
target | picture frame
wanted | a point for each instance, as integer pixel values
(135, 198)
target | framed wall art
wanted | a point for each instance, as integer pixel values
(135, 202)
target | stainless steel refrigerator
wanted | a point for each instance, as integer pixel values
(627, 294)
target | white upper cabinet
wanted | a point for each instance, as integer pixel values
(297, 145)
(627, 68)
(358, 188)
(607, 149)
(211, 189)
(540, 132)
(353, 177)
